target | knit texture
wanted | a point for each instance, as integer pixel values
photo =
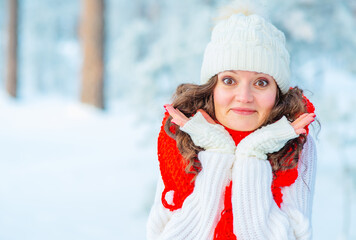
(172, 166)
(248, 43)
(224, 228)
(179, 185)
(211, 137)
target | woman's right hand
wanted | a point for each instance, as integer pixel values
(180, 119)
(203, 130)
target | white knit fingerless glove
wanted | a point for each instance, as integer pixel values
(268, 139)
(211, 137)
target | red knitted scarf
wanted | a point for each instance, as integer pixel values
(172, 167)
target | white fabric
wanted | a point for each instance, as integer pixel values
(248, 43)
(255, 214)
(201, 210)
(259, 143)
(211, 137)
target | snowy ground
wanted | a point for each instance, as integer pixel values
(68, 171)
(71, 172)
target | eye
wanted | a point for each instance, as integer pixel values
(228, 81)
(262, 82)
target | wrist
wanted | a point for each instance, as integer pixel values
(211, 137)
(268, 139)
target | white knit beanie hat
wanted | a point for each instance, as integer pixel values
(248, 43)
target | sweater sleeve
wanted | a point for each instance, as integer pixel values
(159, 215)
(256, 215)
(298, 198)
(201, 210)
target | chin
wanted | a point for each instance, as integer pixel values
(242, 124)
(243, 127)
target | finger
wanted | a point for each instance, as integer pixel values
(306, 120)
(169, 109)
(206, 116)
(299, 119)
(300, 131)
(303, 115)
(303, 121)
(309, 120)
(175, 113)
(178, 117)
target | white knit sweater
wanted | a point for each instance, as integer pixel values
(255, 214)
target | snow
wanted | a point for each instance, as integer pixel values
(334, 214)
(68, 171)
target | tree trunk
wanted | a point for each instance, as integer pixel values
(92, 33)
(11, 78)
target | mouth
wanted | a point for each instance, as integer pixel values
(243, 111)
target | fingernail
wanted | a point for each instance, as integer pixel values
(173, 122)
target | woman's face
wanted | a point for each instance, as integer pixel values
(243, 100)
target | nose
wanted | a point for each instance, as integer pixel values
(243, 93)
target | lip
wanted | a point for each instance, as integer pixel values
(243, 111)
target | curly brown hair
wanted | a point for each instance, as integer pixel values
(188, 98)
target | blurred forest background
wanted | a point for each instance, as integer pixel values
(83, 85)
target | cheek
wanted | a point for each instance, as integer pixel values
(267, 102)
(221, 99)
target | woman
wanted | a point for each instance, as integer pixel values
(235, 156)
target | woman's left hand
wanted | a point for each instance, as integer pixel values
(302, 121)
(273, 137)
